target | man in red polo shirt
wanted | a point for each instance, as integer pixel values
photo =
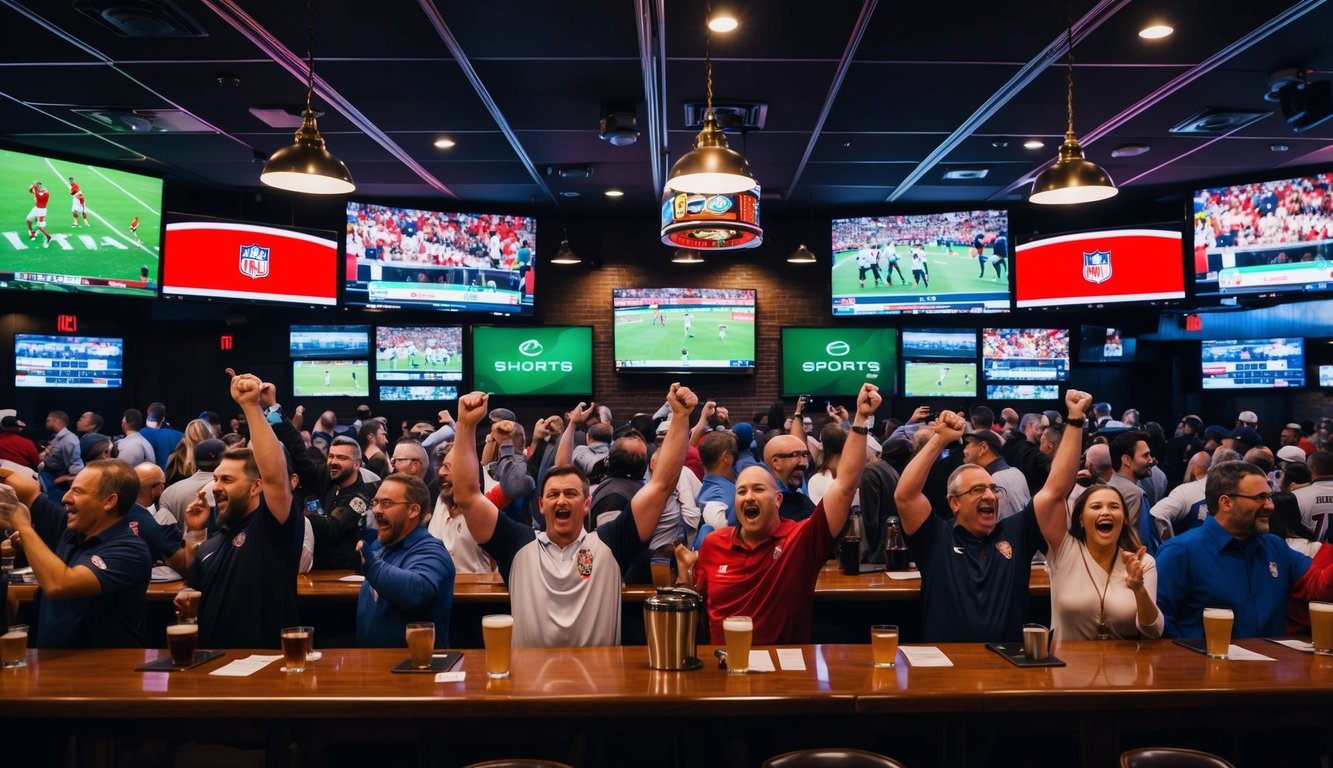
(765, 567)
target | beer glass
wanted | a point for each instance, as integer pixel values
(182, 639)
(739, 631)
(884, 645)
(421, 643)
(295, 646)
(1321, 627)
(14, 647)
(497, 632)
(1217, 631)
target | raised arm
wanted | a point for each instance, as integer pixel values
(245, 390)
(651, 498)
(25, 488)
(564, 453)
(913, 506)
(797, 427)
(1052, 502)
(478, 510)
(838, 499)
(57, 580)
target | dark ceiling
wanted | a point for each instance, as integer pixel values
(867, 102)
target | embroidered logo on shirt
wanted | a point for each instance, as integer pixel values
(722, 568)
(98, 561)
(584, 562)
(359, 505)
(134, 527)
(1272, 568)
(777, 552)
(239, 541)
(1005, 549)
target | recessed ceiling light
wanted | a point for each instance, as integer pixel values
(1278, 147)
(723, 22)
(1130, 150)
(444, 143)
(569, 193)
(614, 193)
(1156, 31)
(1034, 144)
(999, 143)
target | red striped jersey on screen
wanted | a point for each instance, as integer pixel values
(248, 261)
(1100, 267)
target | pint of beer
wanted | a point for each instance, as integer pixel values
(739, 631)
(1217, 631)
(182, 639)
(884, 645)
(14, 647)
(1321, 628)
(295, 645)
(421, 643)
(497, 632)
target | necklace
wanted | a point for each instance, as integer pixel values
(1103, 625)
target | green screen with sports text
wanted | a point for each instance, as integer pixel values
(532, 360)
(837, 361)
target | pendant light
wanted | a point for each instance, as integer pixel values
(686, 256)
(1071, 179)
(801, 255)
(564, 254)
(305, 165)
(711, 168)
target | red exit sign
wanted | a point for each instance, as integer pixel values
(225, 342)
(67, 323)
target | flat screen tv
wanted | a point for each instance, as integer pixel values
(837, 361)
(1100, 267)
(926, 263)
(312, 342)
(418, 353)
(330, 378)
(1017, 354)
(1101, 344)
(1255, 364)
(939, 378)
(950, 344)
(78, 228)
(208, 258)
(684, 330)
(532, 360)
(1326, 375)
(406, 258)
(85, 362)
(417, 392)
(1022, 392)
(1266, 238)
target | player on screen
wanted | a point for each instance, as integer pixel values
(891, 257)
(944, 374)
(689, 334)
(978, 242)
(863, 262)
(721, 332)
(657, 314)
(134, 227)
(967, 379)
(40, 197)
(920, 275)
(684, 355)
(77, 206)
(328, 377)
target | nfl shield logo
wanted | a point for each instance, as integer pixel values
(1097, 266)
(254, 261)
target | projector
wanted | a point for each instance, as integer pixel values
(1304, 104)
(620, 128)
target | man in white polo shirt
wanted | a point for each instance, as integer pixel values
(565, 582)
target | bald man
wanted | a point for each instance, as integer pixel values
(787, 458)
(152, 481)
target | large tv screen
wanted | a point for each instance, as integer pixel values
(85, 362)
(939, 378)
(837, 361)
(418, 353)
(330, 378)
(1100, 344)
(1100, 267)
(938, 262)
(405, 258)
(218, 259)
(532, 360)
(1266, 238)
(686, 330)
(310, 342)
(1022, 391)
(1016, 354)
(1326, 375)
(420, 393)
(1257, 364)
(943, 343)
(78, 227)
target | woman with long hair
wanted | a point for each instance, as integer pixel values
(181, 463)
(826, 471)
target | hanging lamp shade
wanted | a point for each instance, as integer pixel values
(687, 256)
(711, 168)
(565, 255)
(1072, 179)
(801, 255)
(306, 166)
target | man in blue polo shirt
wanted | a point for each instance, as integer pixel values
(1232, 561)
(717, 495)
(975, 568)
(92, 570)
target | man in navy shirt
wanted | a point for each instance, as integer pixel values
(91, 568)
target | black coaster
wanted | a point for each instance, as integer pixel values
(1196, 644)
(164, 664)
(440, 662)
(1013, 653)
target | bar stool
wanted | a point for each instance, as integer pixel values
(519, 763)
(831, 758)
(1169, 757)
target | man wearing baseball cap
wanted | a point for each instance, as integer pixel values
(14, 446)
(983, 448)
(1247, 419)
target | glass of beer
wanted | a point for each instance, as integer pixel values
(14, 647)
(1321, 627)
(661, 568)
(189, 606)
(739, 631)
(295, 646)
(182, 639)
(497, 632)
(884, 645)
(421, 643)
(1217, 631)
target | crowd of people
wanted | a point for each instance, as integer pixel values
(408, 236)
(1131, 520)
(1288, 212)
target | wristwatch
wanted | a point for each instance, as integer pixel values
(1079, 422)
(861, 430)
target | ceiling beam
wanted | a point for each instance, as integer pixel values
(651, 18)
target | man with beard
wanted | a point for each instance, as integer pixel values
(975, 568)
(787, 458)
(343, 505)
(1133, 461)
(448, 524)
(565, 583)
(247, 569)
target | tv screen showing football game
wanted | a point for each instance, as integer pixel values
(424, 393)
(837, 361)
(404, 258)
(1009, 354)
(532, 360)
(1100, 344)
(949, 344)
(939, 378)
(419, 353)
(1100, 267)
(85, 362)
(1266, 238)
(86, 228)
(684, 329)
(219, 259)
(1022, 392)
(331, 378)
(329, 341)
(1258, 364)
(930, 263)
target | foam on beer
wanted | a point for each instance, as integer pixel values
(738, 624)
(1218, 613)
(182, 629)
(497, 621)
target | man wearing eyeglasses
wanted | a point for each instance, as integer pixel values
(410, 457)
(788, 459)
(975, 568)
(1232, 561)
(409, 575)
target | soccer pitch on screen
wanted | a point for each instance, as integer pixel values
(939, 379)
(331, 378)
(950, 272)
(639, 340)
(105, 248)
